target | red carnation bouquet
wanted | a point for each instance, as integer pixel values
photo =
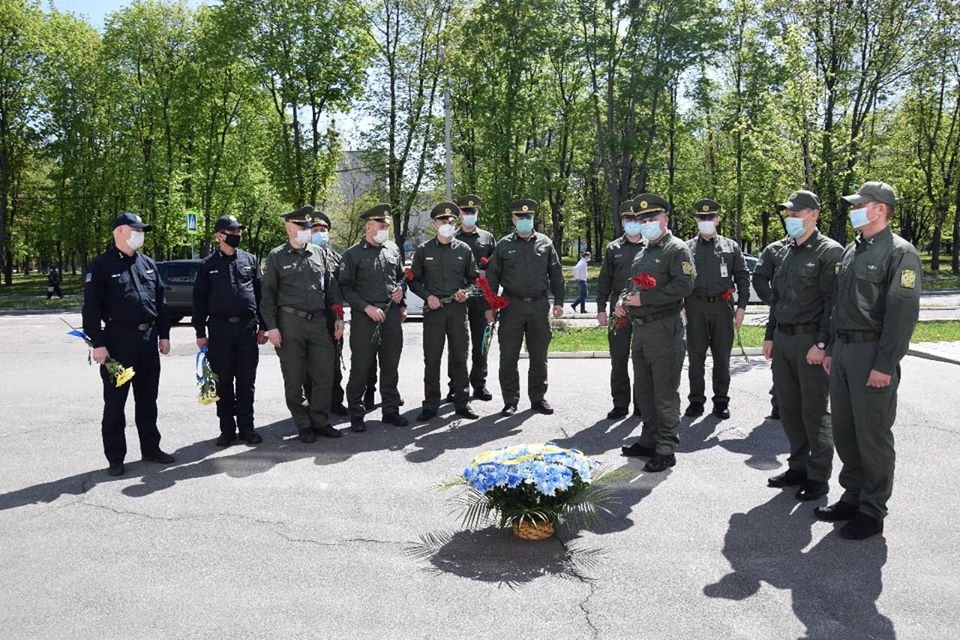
(497, 303)
(409, 273)
(644, 281)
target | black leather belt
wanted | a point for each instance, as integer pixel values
(142, 326)
(653, 317)
(233, 319)
(795, 329)
(526, 298)
(301, 314)
(705, 297)
(858, 336)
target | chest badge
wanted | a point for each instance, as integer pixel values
(811, 264)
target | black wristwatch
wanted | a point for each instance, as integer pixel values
(822, 346)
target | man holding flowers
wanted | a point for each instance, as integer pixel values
(442, 270)
(226, 297)
(124, 316)
(662, 275)
(614, 278)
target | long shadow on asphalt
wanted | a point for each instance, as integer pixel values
(834, 586)
(280, 445)
(496, 555)
(83, 482)
(464, 434)
(762, 444)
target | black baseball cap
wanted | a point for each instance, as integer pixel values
(132, 220)
(227, 223)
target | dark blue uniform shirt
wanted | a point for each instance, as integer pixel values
(226, 286)
(125, 290)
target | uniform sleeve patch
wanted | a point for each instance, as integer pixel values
(88, 277)
(836, 268)
(908, 278)
(687, 268)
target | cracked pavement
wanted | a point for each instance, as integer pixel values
(351, 538)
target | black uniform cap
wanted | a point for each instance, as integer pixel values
(227, 223)
(469, 201)
(133, 220)
(523, 206)
(445, 210)
(319, 217)
(302, 216)
(380, 212)
(648, 205)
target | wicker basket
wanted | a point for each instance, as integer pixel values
(533, 531)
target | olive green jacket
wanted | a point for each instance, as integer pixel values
(299, 278)
(878, 290)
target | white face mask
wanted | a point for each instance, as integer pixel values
(650, 230)
(135, 241)
(859, 218)
(470, 220)
(303, 237)
(381, 236)
(707, 227)
(445, 231)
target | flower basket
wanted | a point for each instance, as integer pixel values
(533, 488)
(534, 531)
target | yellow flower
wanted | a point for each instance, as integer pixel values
(126, 373)
(207, 399)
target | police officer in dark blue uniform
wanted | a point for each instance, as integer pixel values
(226, 295)
(124, 314)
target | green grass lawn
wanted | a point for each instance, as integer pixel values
(30, 292)
(595, 338)
(35, 284)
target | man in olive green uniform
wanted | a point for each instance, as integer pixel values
(298, 286)
(320, 236)
(711, 319)
(372, 280)
(662, 275)
(526, 264)
(797, 335)
(613, 279)
(762, 280)
(482, 243)
(875, 311)
(442, 268)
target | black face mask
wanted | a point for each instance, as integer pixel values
(232, 241)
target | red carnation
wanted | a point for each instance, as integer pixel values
(726, 295)
(644, 281)
(409, 274)
(484, 285)
(498, 303)
(484, 261)
(338, 309)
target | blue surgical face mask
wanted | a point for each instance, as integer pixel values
(525, 225)
(469, 219)
(631, 228)
(858, 218)
(794, 227)
(320, 238)
(650, 230)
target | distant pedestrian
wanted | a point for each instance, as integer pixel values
(580, 277)
(53, 283)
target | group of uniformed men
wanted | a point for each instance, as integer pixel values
(840, 321)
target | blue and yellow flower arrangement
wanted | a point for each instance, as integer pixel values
(534, 488)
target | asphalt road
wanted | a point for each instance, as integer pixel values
(350, 538)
